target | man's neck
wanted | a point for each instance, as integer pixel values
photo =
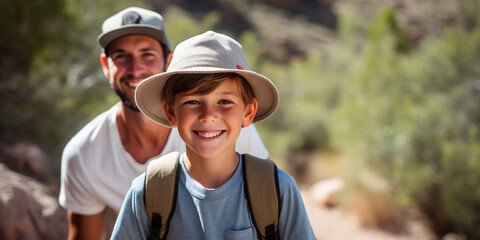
(140, 136)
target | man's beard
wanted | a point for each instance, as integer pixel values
(129, 103)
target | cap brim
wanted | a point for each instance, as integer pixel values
(149, 101)
(138, 29)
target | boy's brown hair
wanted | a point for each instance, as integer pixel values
(203, 84)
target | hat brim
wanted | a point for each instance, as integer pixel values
(138, 29)
(149, 91)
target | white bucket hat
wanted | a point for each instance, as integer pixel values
(209, 52)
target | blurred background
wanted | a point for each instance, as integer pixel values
(379, 113)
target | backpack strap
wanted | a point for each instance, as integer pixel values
(263, 194)
(161, 186)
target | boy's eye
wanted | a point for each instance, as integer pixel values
(224, 101)
(192, 102)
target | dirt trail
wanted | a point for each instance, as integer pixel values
(338, 224)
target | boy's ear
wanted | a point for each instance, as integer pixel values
(103, 61)
(249, 113)
(170, 114)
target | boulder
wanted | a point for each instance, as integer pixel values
(326, 192)
(28, 209)
(27, 159)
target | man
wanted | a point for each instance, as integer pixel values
(101, 160)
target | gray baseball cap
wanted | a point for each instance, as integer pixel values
(134, 21)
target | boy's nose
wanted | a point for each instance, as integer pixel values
(208, 114)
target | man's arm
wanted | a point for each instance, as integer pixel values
(86, 227)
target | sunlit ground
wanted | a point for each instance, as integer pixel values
(336, 214)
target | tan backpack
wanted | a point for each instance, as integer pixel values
(260, 186)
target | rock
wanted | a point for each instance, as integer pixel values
(325, 192)
(454, 236)
(28, 210)
(25, 158)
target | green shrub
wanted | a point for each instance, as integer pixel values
(412, 116)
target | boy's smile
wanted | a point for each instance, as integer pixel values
(209, 134)
(210, 123)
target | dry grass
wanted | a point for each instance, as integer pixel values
(362, 212)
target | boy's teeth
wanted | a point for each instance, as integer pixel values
(209, 134)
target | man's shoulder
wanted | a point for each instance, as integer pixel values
(251, 129)
(93, 133)
(95, 125)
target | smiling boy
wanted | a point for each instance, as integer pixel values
(209, 111)
(101, 160)
(209, 94)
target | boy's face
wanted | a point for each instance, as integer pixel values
(210, 124)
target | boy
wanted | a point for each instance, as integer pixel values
(209, 94)
(101, 160)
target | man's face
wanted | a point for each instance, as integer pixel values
(130, 60)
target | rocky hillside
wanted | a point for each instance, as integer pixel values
(298, 25)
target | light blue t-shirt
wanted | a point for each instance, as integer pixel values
(220, 213)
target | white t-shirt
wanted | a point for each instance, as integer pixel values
(97, 171)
